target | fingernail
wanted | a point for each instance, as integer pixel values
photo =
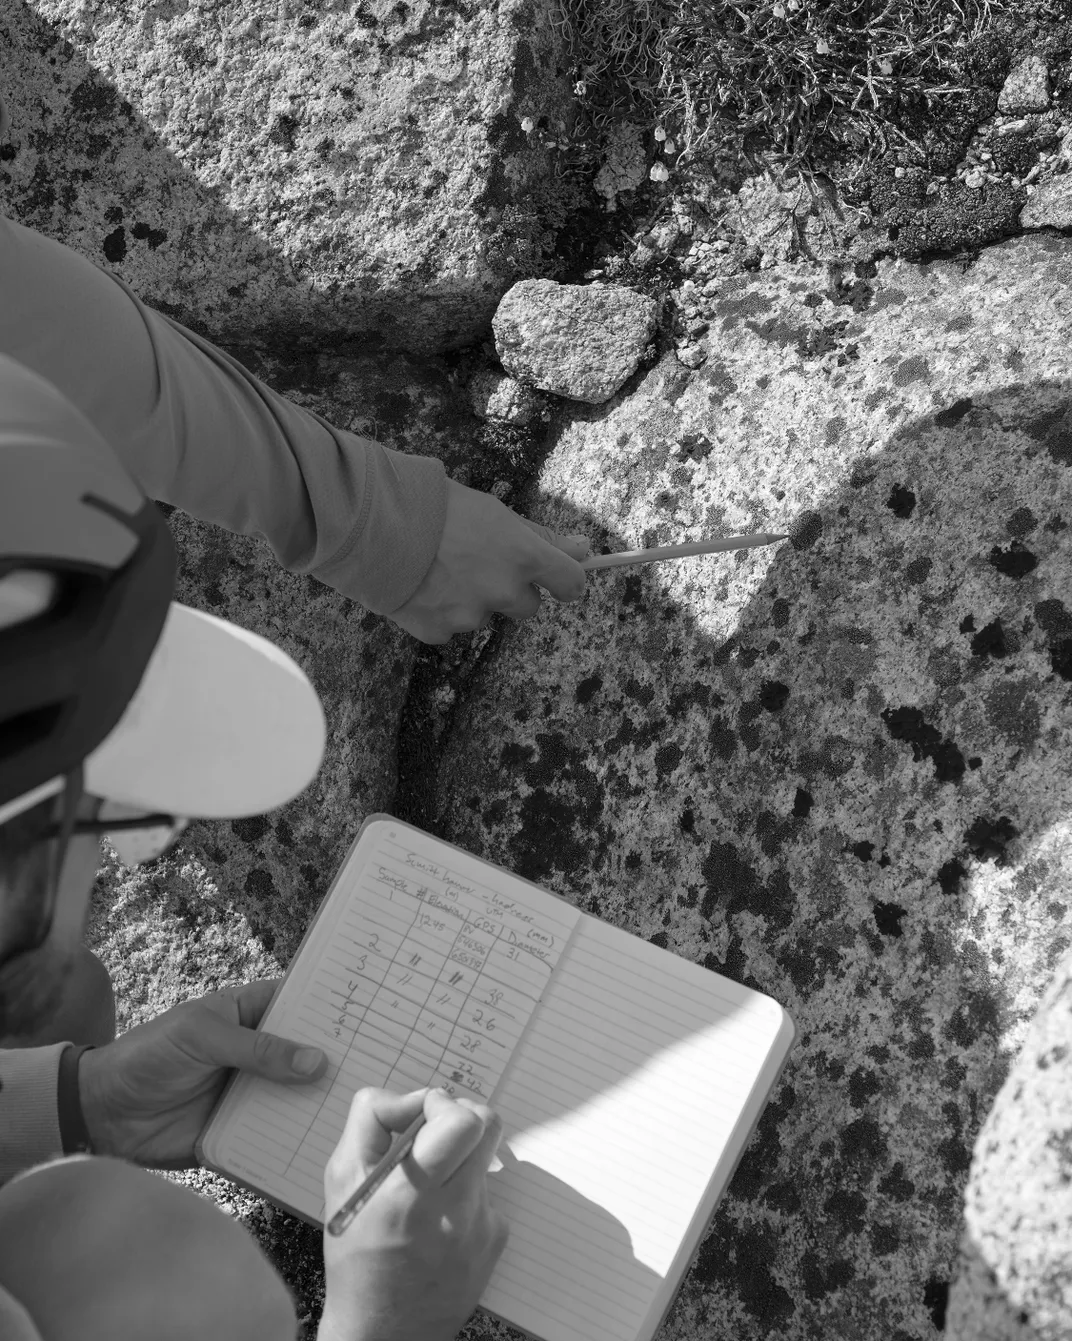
(306, 1060)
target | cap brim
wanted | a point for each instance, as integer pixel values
(223, 724)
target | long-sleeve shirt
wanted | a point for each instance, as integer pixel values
(197, 430)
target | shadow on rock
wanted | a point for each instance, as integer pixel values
(837, 772)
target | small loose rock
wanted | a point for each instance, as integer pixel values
(495, 396)
(583, 342)
(1027, 89)
(1050, 205)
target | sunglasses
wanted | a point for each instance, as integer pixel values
(135, 838)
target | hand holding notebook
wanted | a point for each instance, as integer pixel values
(628, 1079)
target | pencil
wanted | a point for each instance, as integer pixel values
(729, 542)
(394, 1157)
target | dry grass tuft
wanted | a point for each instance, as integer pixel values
(791, 83)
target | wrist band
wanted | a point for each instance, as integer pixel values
(73, 1133)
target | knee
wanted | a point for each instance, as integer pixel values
(84, 1013)
(92, 1019)
(100, 1250)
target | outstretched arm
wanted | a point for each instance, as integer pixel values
(198, 430)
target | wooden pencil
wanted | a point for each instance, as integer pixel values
(385, 1166)
(721, 546)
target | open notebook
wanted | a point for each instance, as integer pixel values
(628, 1079)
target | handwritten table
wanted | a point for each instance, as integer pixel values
(426, 976)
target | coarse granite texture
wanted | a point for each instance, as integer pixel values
(1015, 1275)
(581, 341)
(838, 769)
(290, 168)
(494, 395)
(1026, 87)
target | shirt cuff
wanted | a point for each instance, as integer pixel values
(29, 1112)
(392, 544)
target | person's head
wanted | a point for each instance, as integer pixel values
(92, 1247)
(121, 712)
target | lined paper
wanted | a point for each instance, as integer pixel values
(618, 1109)
(418, 972)
(626, 1095)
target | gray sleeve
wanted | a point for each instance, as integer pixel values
(198, 430)
(29, 1108)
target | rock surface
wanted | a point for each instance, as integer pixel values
(495, 396)
(1050, 206)
(581, 341)
(1015, 1277)
(1027, 88)
(839, 769)
(289, 168)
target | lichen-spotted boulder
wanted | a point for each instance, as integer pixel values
(837, 769)
(297, 169)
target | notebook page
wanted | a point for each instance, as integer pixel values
(423, 968)
(617, 1107)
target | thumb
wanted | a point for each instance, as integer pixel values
(576, 546)
(260, 1053)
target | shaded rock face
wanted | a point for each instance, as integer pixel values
(837, 770)
(298, 170)
(1015, 1277)
(581, 341)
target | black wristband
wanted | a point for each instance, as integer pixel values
(73, 1133)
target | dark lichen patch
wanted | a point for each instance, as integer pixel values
(918, 571)
(814, 344)
(1022, 522)
(773, 695)
(693, 447)
(913, 369)
(888, 918)
(955, 413)
(750, 304)
(1012, 709)
(975, 1017)
(834, 430)
(154, 236)
(1015, 562)
(863, 1144)
(901, 502)
(115, 245)
(588, 688)
(1052, 431)
(936, 1301)
(1053, 618)
(739, 1260)
(991, 641)
(807, 529)
(864, 1084)
(950, 875)
(667, 758)
(544, 844)
(910, 726)
(250, 829)
(819, 1281)
(988, 839)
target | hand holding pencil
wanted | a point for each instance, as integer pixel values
(421, 1245)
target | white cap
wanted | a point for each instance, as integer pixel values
(223, 724)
